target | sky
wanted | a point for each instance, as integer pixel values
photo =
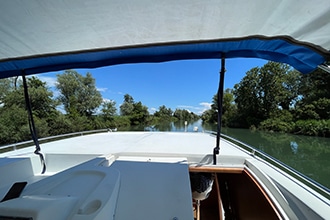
(188, 84)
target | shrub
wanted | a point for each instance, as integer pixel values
(277, 125)
(313, 127)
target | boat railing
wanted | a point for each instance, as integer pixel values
(279, 164)
(23, 144)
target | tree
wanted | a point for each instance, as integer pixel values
(127, 107)
(164, 113)
(228, 109)
(247, 98)
(13, 125)
(318, 110)
(135, 111)
(207, 116)
(315, 96)
(290, 93)
(314, 86)
(140, 114)
(61, 124)
(264, 90)
(185, 115)
(108, 110)
(5, 88)
(14, 118)
(78, 93)
(40, 96)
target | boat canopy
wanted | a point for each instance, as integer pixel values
(38, 36)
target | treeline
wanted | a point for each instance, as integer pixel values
(82, 104)
(276, 97)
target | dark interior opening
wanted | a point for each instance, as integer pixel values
(239, 196)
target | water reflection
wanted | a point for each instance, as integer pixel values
(308, 155)
(294, 147)
(177, 126)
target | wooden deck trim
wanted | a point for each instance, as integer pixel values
(217, 169)
(219, 197)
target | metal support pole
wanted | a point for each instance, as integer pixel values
(219, 102)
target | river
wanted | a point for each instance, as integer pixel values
(308, 155)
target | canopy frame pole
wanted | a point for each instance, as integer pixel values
(216, 150)
(32, 127)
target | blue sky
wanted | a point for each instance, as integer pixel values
(188, 84)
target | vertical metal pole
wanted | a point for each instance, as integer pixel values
(198, 202)
(219, 102)
(32, 125)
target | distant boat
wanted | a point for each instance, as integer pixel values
(156, 175)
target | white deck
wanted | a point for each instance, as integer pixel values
(147, 172)
(134, 142)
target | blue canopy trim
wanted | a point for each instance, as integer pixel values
(303, 57)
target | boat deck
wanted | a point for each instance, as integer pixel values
(149, 175)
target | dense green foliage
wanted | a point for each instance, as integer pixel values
(78, 93)
(278, 98)
(185, 115)
(273, 97)
(229, 110)
(84, 108)
(164, 113)
(13, 117)
(136, 112)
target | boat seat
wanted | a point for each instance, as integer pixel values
(20, 170)
(86, 191)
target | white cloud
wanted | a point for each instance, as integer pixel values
(56, 93)
(117, 93)
(102, 89)
(203, 106)
(50, 81)
(186, 107)
(61, 109)
(105, 100)
(152, 110)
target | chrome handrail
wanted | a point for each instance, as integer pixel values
(61, 136)
(279, 164)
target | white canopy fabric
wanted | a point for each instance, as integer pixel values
(45, 35)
